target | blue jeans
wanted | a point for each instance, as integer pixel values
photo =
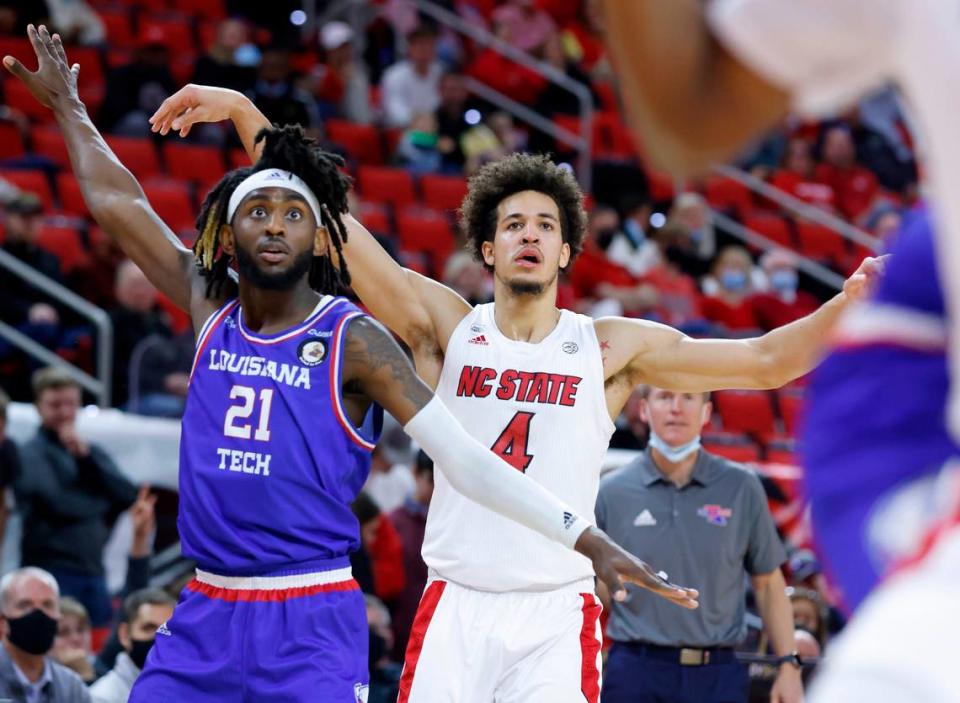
(634, 674)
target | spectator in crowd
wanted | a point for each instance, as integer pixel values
(390, 480)
(9, 469)
(855, 186)
(277, 95)
(378, 564)
(76, 22)
(420, 147)
(73, 646)
(410, 520)
(411, 86)
(451, 118)
(797, 176)
(690, 211)
(730, 306)
(629, 245)
(29, 604)
(468, 277)
(384, 671)
(342, 86)
(706, 518)
(21, 302)
(136, 317)
(505, 75)
(220, 65)
(15, 15)
(524, 25)
(145, 613)
(678, 298)
(783, 303)
(810, 613)
(69, 495)
(554, 99)
(160, 374)
(361, 564)
(490, 140)
(135, 90)
(632, 431)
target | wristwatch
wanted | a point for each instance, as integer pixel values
(793, 658)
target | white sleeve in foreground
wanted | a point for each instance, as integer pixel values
(485, 478)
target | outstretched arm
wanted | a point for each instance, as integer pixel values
(110, 191)
(375, 362)
(689, 100)
(422, 312)
(648, 352)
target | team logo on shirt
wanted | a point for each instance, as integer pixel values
(570, 347)
(476, 328)
(715, 514)
(312, 351)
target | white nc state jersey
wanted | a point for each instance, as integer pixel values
(828, 53)
(542, 408)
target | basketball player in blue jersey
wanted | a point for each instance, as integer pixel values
(283, 409)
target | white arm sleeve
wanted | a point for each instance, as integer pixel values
(482, 476)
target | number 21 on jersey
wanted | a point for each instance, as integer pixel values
(233, 423)
(511, 445)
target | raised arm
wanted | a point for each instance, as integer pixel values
(375, 364)
(110, 191)
(422, 312)
(689, 100)
(647, 352)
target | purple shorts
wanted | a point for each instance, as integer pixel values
(285, 637)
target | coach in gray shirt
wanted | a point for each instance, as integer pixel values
(703, 520)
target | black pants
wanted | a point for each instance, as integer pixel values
(637, 674)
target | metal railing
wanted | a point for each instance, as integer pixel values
(99, 386)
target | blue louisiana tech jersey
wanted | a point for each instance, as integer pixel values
(875, 440)
(269, 461)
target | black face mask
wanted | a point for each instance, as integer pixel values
(33, 633)
(139, 649)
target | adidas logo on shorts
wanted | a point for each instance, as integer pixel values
(479, 339)
(164, 630)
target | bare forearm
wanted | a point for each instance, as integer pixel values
(248, 121)
(777, 615)
(794, 349)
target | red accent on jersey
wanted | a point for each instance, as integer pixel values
(589, 649)
(425, 611)
(511, 445)
(268, 594)
(524, 386)
(479, 339)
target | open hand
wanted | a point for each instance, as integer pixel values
(193, 104)
(144, 521)
(54, 77)
(863, 280)
(613, 565)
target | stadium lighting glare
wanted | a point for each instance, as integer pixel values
(472, 116)
(298, 18)
(658, 219)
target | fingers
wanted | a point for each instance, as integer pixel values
(58, 48)
(15, 67)
(47, 42)
(144, 492)
(611, 579)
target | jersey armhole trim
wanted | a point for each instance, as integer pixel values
(207, 330)
(335, 378)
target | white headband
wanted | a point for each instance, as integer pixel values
(272, 178)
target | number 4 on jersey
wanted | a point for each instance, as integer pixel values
(511, 445)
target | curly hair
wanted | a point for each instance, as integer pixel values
(289, 149)
(514, 174)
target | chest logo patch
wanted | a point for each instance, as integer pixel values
(715, 514)
(312, 352)
(570, 347)
(645, 519)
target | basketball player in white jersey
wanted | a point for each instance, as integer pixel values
(702, 78)
(507, 617)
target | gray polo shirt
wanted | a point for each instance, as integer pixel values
(703, 535)
(62, 686)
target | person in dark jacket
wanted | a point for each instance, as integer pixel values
(69, 494)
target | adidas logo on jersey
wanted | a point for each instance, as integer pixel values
(568, 520)
(479, 339)
(645, 519)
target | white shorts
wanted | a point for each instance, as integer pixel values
(901, 646)
(470, 646)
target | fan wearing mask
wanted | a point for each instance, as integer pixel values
(728, 291)
(145, 614)
(30, 608)
(783, 303)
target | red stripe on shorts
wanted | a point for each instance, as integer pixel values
(590, 649)
(268, 594)
(425, 611)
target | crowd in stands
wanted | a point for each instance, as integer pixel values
(394, 97)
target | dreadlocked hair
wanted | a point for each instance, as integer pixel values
(286, 148)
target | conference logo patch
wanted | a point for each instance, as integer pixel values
(715, 514)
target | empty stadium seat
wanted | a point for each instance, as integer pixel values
(204, 9)
(33, 181)
(17, 95)
(790, 404)
(773, 227)
(727, 195)
(819, 242)
(64, 242)
(382, 184)
(375, 218)
(734, 452)
(443, 192)
(18, 47)
(745, 411)
(200, 164)
(91, 65)
(136, 154)
(426, 231)
(361, 142)
(663, 186)
(119, 28)
(177, 34)
(11, 141)
(71, 197)
(48, 141)
(171, 201)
